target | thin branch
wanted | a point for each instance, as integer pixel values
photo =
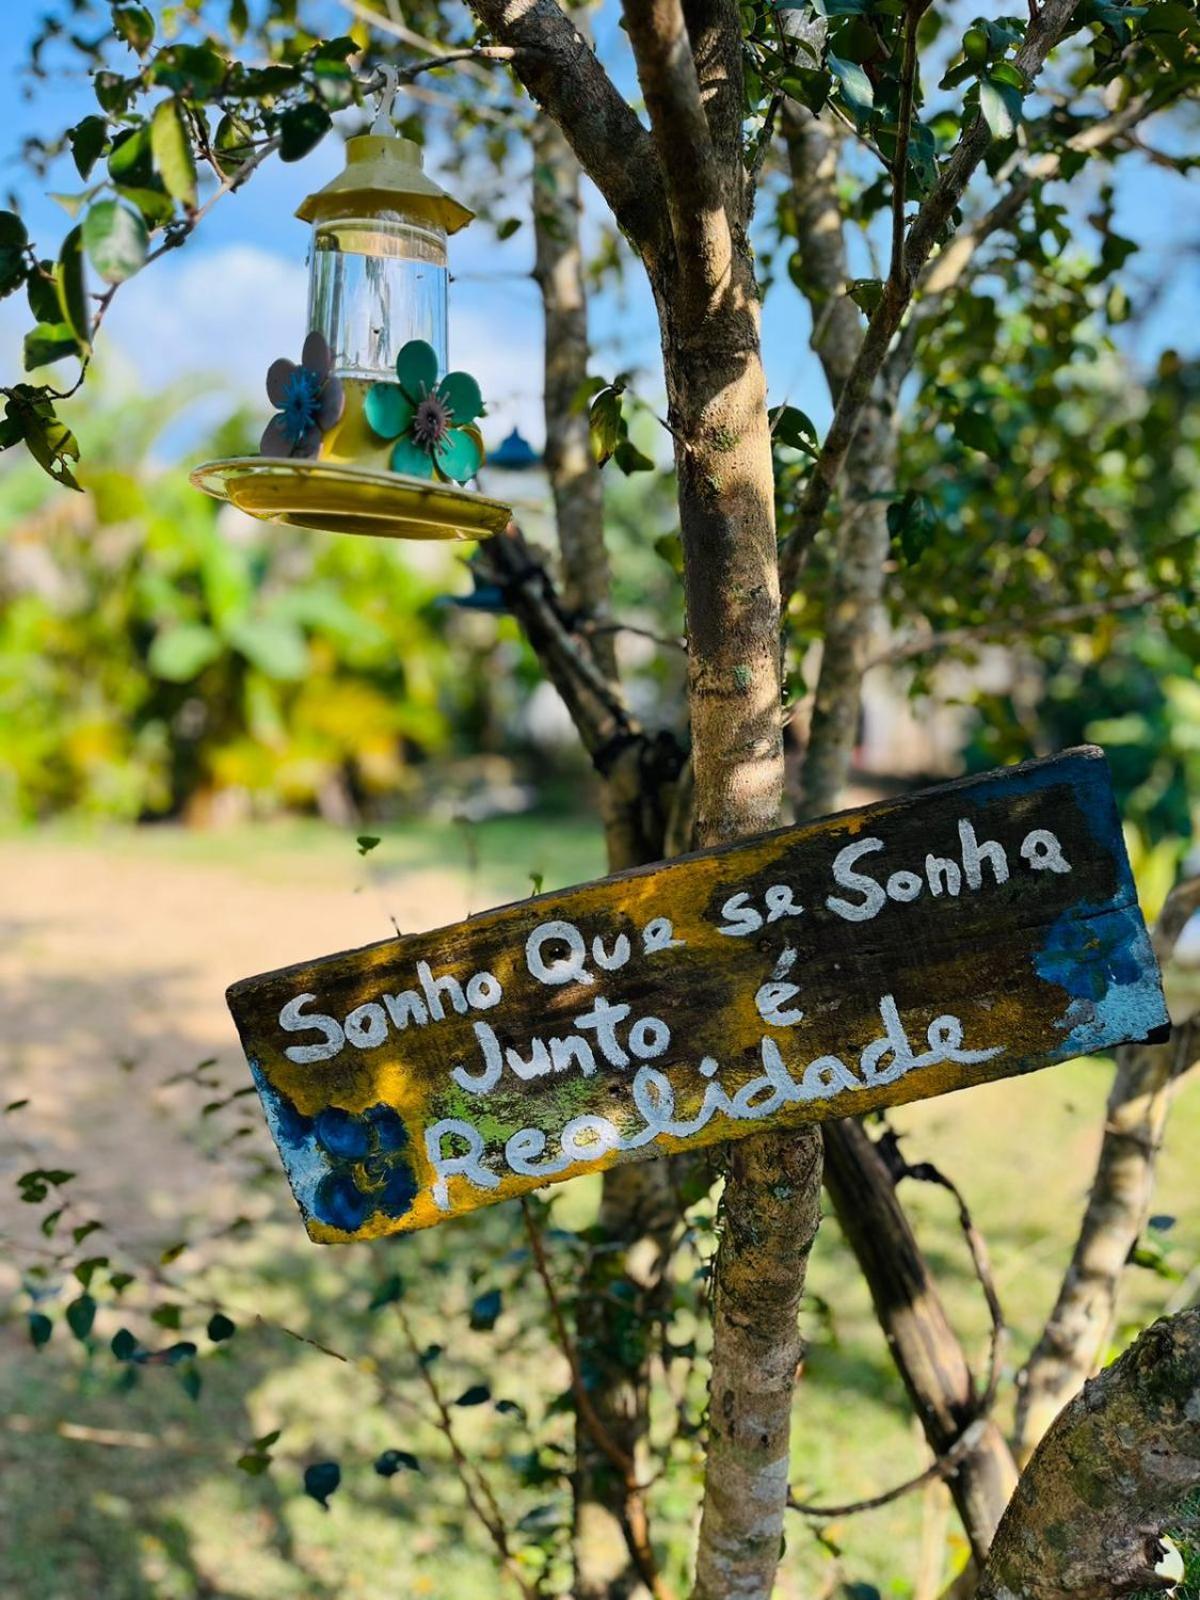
(637, 1530)
(908, 84)
(1022, 627)
(564, 76)
(687, 155)
(925, 231)
(942, 1468)
(474, 1484)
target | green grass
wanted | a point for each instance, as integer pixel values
(156, 1508)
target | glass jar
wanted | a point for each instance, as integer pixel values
(375, 282)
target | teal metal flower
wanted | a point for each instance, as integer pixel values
(429, 418)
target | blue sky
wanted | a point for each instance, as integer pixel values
(234, 298)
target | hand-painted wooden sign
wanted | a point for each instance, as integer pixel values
(975, 931)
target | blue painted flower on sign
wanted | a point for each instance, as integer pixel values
(345, 1166)
(369, 1172)
(1086, 956)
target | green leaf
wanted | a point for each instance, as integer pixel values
(113, 92)
(301, 129)
(123, 1345)
(81, 1314)
(239, 18)
(866, 294)
(155, 204)
(41, 290)
(277, 648)
(630, 459)
(72, 288)
(1001, 104)
(234, 142)
(477, 1395)
(135, 25)
(809, 85)
(88, 140)
(793, 428)
(49, 342)
(390, 1462)
(180, 653)
(40, 1329)
(87, 1269)
(254, 1463)
(387, 1292)
(190, 1381)
(131, 159)
(192, 70)
(506, 229)
(50, 443)
(977, 431)
(321, 1480)
(912, 523)
(605, 424)
(171, 145)
(116, 240)
(220, 1328)
(668, 547)
(366, 843)
(167, 1316)
(856, 87)
(485, 1308)
(14, 262)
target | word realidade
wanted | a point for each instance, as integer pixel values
(558, 952)
(456, 1148)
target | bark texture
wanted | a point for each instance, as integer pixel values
(1117, 1470)
(925, 1348)
(1074, 1339)
(771, 1211)
(572, 471)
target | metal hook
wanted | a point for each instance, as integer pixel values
(383, 124)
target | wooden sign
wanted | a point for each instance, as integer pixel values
(975, 931)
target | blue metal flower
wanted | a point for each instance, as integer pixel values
(309, 398)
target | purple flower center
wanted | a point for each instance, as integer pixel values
(431, 422)
(301, 403)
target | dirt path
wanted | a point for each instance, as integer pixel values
(113, 967)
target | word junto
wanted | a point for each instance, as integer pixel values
(591, 1138)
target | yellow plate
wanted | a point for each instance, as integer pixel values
(337, 498)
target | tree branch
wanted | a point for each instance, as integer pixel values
(1079, 1327)
(564, 76)
(1043, 34)
(1117, 1471)
(692, 173)
(1016, 627)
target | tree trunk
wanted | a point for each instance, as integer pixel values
(623, 1282)
(573, 474)
(1117, 1471)
(852, 609)
(1072, 1344)
(717, 411)
(925, 1348)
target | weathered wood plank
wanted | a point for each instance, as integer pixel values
(981, 929)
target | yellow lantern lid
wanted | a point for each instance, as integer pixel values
(384, 173)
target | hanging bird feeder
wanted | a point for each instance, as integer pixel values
(371, 433)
